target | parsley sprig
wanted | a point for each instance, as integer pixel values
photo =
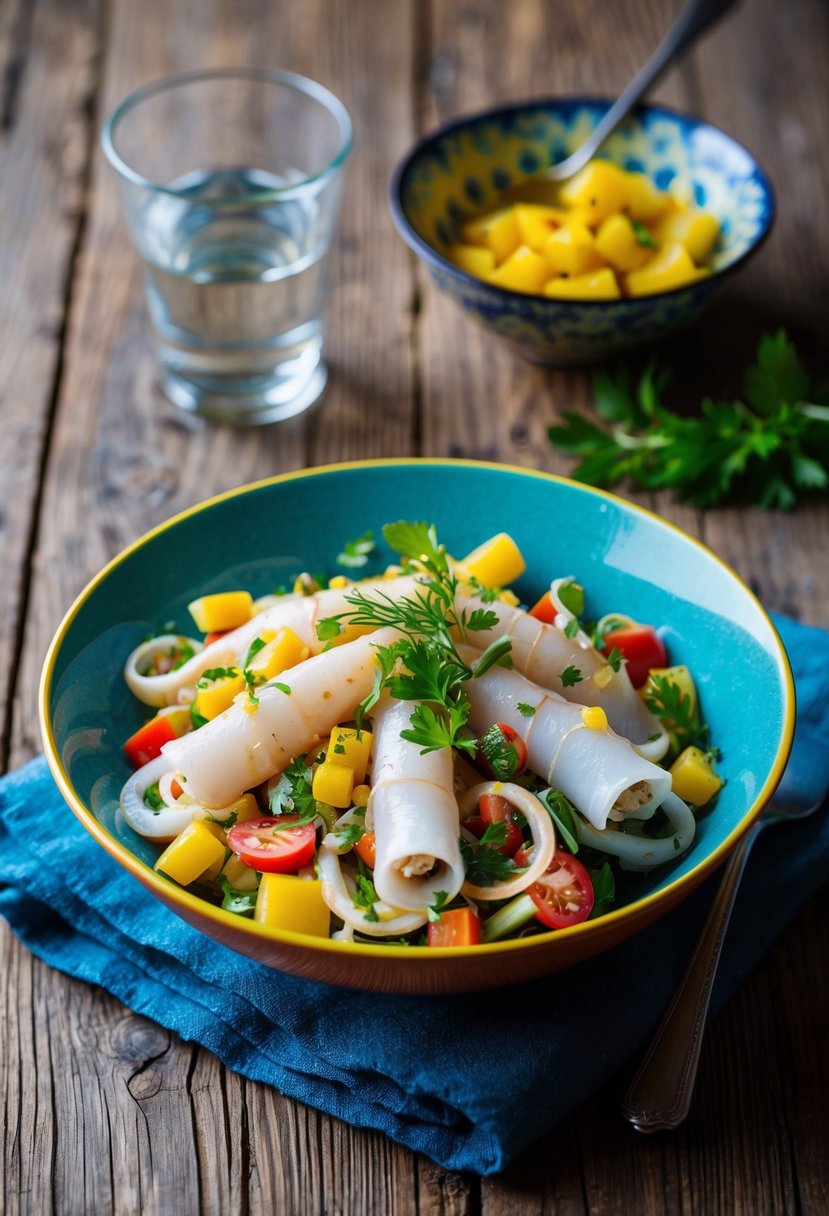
(770, 448)
(676, 710)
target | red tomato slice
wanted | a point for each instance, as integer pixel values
(145, 744)
(641, 647)
(458, 927)
(510, 736)
(544, 610)
(477, 825)
(563, 894)
(271, 847)
(366, 849)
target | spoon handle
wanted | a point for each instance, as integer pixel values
(693, 20)
(660, 1093)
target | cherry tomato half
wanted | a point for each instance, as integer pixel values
(458, 927)
(510, 736)
(478, 824)
(641, 647)
(563, 894)
(272, 845)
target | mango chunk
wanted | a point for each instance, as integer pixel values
(644, 202)
(619, 245)
(192, 852)
(524, 270)
(696, 230)
(495, 563)
(284, 650)
(296, 904)
(226, 610)
(474, 259)
(536, 223)
(333, 784)
(600, 285)
(671, 267)
(217, 695)
(350, 748)
(598, 190)
(572, 250)
(693, 777)
(498, 231)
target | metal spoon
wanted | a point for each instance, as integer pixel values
(694, 19)
(660, 1093)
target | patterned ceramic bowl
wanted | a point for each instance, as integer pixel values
(464, 168)
(263, 535)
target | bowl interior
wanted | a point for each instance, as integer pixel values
(465, 167)
(262, 536)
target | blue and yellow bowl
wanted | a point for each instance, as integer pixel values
(262, 535)
(465, 167)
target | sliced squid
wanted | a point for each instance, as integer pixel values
(177, 813)
(338, 891)
(414, 814)
(644, 852)
(598, 770)
(542, 652)
(540, 826)
(247, 744)
(298, 613)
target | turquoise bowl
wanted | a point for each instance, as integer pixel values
(464, 168)
(261, 536)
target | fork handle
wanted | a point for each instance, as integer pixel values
(660, 1093)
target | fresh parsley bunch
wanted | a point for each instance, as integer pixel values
(771, 448)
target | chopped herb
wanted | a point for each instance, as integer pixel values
(339, 749)
(183, 654)
(563, 814)
(356, 552)
(500, 755)
(197, 719)
(571, 628)
(441, 899)
(495, 835)
(329, 628)
(365, 895)
(496, 652)
(675, 709)
(234, 900)
(615, 658)
(152, 798)
(292, 794)
(487, 594)
(253, 650)
(485, 865)
(643, 237)
(604, 890)
(216, 673)
(282, 687)
(349, 834)
(524, 709)
(570, 676)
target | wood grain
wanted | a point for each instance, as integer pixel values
(105, 1111)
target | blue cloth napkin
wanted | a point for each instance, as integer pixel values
(427, 1071)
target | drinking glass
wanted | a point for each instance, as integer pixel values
(231, 181)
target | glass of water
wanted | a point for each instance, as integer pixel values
(231, 181)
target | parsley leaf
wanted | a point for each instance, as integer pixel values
(234, 900)
(349, 834)
(485, 865)
(500, 755)
(615, 659)
(365, 896)
(676, 710)
(432, 731)
(355, 553)
(525, 710)
(216, 673)
(292, 794)
(329, 628)
(570, 676)
(434, 911)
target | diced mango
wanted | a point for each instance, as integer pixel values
(671, 267)
(192, 852)
(495, 563)
(693, 777)
(283, 651)
(524, 270)
(226, 610)
(350, 748)
(600, 285)
(497, 231)
(682, 678)
(644, 201)
(696, 230)
(619, 245)
(333, 784)
(572, 250)
(474, 259)
(536, 222)
(296, 904)
(598, 189)
(218, 695)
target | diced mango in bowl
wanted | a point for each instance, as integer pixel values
(612, 234)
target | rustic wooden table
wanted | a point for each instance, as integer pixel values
(104, 1110)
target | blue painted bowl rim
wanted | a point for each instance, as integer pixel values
(185, 900)
(431, 256)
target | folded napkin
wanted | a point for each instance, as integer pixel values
(427, 1071)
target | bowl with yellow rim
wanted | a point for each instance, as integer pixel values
(261, 536)
(470, 166)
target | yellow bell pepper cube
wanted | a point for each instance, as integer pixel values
(598, 190)
(333, 784)
(296, 904)
(671, 267)
(240, 876)
(696, 230)
(284, 650)
(619, 245)
(474, 259)
(598, 285)
(192, 852)
(497, 231)
(226, 610)
(524, 270)
(350, 748)
(536, 222)
(217, 695)
(495, 563)
(684, 681)
(572, 250)
(644, 202)
(693, 777)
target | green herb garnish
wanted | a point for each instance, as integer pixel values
(216, 673)
(484, 864)
(676, 710)
(643, 237)
(501, 756)
(356, 552)
(435, 909)
(615, 658)
(234, 900)
(525, 710)
(152, 798)
(563, 814)
(604, 890)
(570, 676)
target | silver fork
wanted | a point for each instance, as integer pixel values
(659, 1096)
